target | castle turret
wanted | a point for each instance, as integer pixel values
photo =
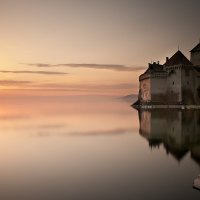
(195, 55)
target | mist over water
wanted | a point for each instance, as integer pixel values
(95, 148)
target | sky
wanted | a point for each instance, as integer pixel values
(90, 47)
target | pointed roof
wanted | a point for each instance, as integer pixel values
(177, 59)
(177, 152)
(196, 48)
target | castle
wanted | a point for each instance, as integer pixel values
(176, 82)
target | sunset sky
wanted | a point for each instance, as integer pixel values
(99, 47)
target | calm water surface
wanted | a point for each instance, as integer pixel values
(82, 148)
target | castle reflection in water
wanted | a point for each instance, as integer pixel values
(177, 130)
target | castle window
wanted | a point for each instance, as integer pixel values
(173, 83)
(188, 82)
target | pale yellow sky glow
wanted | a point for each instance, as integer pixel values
(109, 42)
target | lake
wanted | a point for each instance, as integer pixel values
(96, 148)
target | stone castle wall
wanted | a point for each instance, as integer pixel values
(188, 87)
(158, 89)
(173, 90)
(145, 90)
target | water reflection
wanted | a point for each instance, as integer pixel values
(178, 131)
(73, 148)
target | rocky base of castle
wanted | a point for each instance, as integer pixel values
(153, 105)
(180, 107)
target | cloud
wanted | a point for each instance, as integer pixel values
(75, 87)
(110, 132)
(102, 132)
(68, 87)
(112, 67)
(34, 72)
(13, 117)
(13, 82)
(90, 86)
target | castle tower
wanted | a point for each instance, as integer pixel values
(180, 81)
(195, 55)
